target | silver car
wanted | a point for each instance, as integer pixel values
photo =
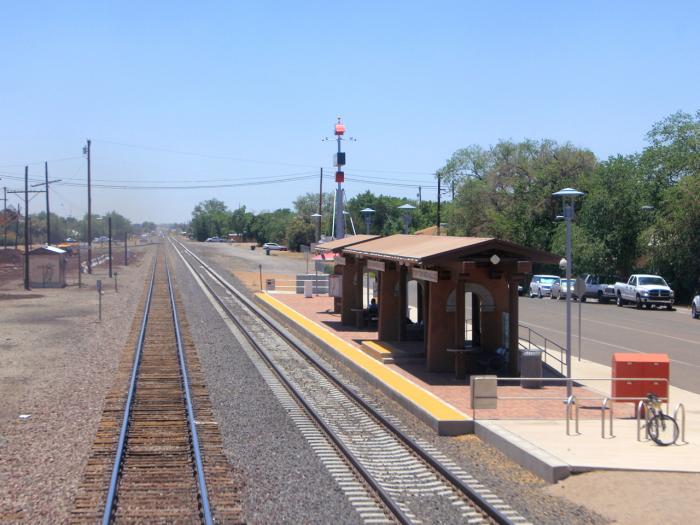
(541, 285)
(560, 287)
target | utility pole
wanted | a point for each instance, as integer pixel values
(126, 254)
(420, 196)
(48, 210)
(86, 150)
(26, 225)
(109, 232)
(4, 218)
(19, 212)
(438, 204)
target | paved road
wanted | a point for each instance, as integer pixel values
(607, 329)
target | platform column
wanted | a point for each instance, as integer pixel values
(441, 327)
(513, 339)
(352, 290)
(389, 306)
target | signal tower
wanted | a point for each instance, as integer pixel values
(339, 162)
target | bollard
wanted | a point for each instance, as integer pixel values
(116, 287)
(99, 296)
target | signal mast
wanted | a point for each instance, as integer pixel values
(339, 162)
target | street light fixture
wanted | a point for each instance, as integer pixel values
(406, 209)
(568, 195)
(367, 214)
(317, 220)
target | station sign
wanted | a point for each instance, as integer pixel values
(340, 260)
(425, 275)
(378, 266)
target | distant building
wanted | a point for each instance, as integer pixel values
(47, 267)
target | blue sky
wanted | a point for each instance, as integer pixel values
(206, 93)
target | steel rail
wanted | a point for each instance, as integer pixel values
(203, 495)
(282, 376)
(493, 512)
(119, 456)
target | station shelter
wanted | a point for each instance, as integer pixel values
(452, 294)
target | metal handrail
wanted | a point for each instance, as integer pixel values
(607, 401)
(562, 351)
(571, 400)
(681, 407)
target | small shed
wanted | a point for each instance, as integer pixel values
(47, 267)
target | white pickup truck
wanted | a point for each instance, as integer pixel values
(644, 291)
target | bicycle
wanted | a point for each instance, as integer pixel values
(661, 428)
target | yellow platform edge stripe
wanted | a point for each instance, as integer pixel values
(378, 347)
(429, 402)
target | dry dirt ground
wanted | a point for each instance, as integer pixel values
(633, 498)
(56, 364)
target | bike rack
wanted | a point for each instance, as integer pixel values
(571, 401)
(640, 406)
(607, 401)
(680, 407)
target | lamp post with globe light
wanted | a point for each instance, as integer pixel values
(367, 214)
(406, 209)
(317, 220)
(568, 195)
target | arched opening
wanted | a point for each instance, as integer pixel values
(414, 314)
(477, 300)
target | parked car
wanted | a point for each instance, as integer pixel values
(644, 291)
(695, 307)
(596, 288)
(541, 285)
(274, 246)
(560, 287)
(215, 239)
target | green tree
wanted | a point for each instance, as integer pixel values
(299, 231)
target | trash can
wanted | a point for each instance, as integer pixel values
(308, 289)
(531, 366)
(252, 247)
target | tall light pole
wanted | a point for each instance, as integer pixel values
(406, 209)
(317, 220)
(367, 214)
(568, 195)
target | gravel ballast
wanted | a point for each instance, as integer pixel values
(284, 481)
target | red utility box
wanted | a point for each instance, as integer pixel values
(652, 366)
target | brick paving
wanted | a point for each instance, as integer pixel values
(457, 392)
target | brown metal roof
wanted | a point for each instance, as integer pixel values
(417, 249)
(339, 244)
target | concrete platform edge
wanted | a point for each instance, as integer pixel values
(442, 427)
(529, 456)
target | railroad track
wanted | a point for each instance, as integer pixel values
(387, 475)
(158, 453)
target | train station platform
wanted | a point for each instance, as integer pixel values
(528, 424)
